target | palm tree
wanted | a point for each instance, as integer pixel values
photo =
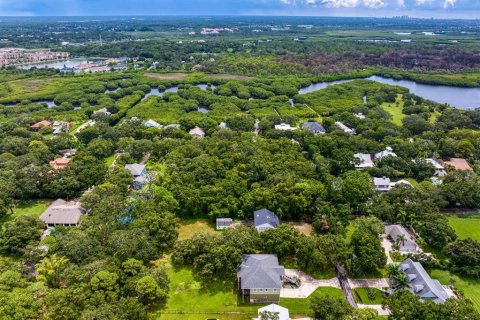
(401, 239)
(400, 282)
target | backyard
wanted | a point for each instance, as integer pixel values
(466, 226)
(27, 207)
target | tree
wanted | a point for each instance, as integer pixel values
(329, 308)
(398, 277)
(19, 233)
(368, 253)
(370, 224)
(465, 257)
(404, 305)
(416, 124)
(149, 291)
(49, 270)
(268, 315)
(319, 253)
(354, 188)
(282, 241)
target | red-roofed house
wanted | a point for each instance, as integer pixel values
(458, 164)
(37, 126)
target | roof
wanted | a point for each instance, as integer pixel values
(265, 216)
(344, 127)
(197, 132)
(60, 163)
(282, 312)
(434, 163)
(225, 222)
(385, 153)
(136, 169)
(395, 231)
(43, 123)
(284, 127)
(313, 126)
(365, 160)
(458, 164)
(62, 212)
(151, 123)
(381, 181)
(421, 284)
(260, 271)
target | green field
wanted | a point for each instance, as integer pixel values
(469, 288)
(361, 296)
(395, 110)
(27, 207)
(466, 226)
(220, 300)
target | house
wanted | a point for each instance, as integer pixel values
(265, 219)
(365, 161)
(62, 213)
(60, 163)
(359, 115)
(172, 126)
(197, 132)
(314, 127)
(402, 182)
(458, 164)
(260, 278)
(280, 313)
(37, 126)
(284, 127)
(439, 168)
(402, 238)
(223, 223)
(138, 172)
(420, 283)
(60, 126)
(382, 184)
(102, 111)
(152, 124)
(345, 128)
(388, 152)
(120, 66)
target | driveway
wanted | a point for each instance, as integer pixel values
(370, 283)
(387, 245)
(378, 307)
(308, 285)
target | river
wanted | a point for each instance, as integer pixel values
(462, 98)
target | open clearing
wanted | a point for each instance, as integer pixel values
(190, 227)
(467, 226)
(469, 287)
(395, 110)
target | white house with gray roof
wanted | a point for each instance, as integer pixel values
(364, 161)
(314, 127)
(265, 219)
(422, 285)
(280, 313)
(401, 237)
(62, 213)
(138, 172)
(388, 152)
(260, 278)
(345, 128)
(382, 184)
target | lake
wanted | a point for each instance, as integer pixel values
(462, 98)
(54, 65)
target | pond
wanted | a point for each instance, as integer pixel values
(462, 98)
(158, 93)
(54, 65)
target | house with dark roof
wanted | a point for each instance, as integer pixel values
(420, 283)
(62, 213)
(260, 278)
(314, 127)
(402, 238)
(138, 172)
(265, 219)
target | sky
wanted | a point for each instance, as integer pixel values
(380, 8)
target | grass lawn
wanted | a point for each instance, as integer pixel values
(109, 160)
(466, 226)
(190, 227)
(470, 288)
(361, 296)
(395, 111)
(28, 207)
(220, 300)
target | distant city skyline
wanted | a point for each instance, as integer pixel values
(349, 8)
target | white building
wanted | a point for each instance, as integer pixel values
(280, 312)
(365, 161)
(388, 152)
(345, 128)
(382, 184)
(284, 127)
(439, 169)
(197, 132)
(152, 124)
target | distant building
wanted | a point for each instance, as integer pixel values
(197, 132)
(120, 66)
(223, 223)
(382, 184)
(439, 168)
(37, 126)
(280, 313)
(152, 124)
(62, 213)
(458, 164)
(172, 126)
(265, 219)
(402, 238)
(284, 127)
(314, 127)
(388, 152)
(102, 111)
(138, 172)
(260, 278)
(365, 161)
(424, 287)
(60, 163)
(402, 182)
(359, 115)
(345, 128)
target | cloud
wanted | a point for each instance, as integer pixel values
(449, 3)
(401, 4)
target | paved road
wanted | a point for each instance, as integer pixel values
(308, 284)
(387, 245)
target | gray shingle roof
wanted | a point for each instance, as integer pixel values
(62, 212)
(260, 271)
(136, 169)
(265, 216)
(395, 231)
(223, 222)
(421, 284)
(313, 126)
